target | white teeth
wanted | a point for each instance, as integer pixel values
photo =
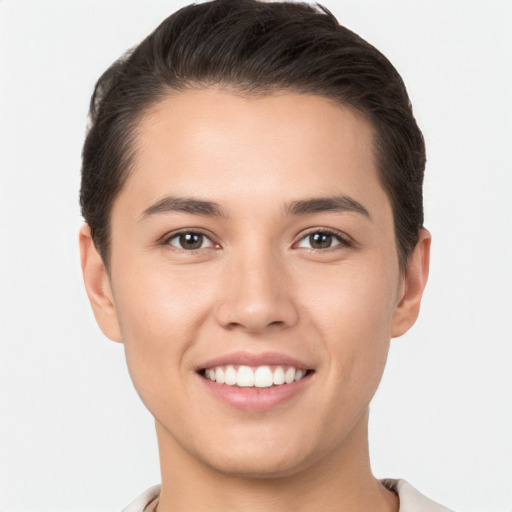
(245, 377)
(278, 377)
(299, 374)
(219, 376)
(263, 377)
(289, 376)
(259, 377)
(230, 376)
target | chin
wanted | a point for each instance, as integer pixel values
(262, 458)
(258, 467)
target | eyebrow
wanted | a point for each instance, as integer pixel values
(184, 205)
(337, 203)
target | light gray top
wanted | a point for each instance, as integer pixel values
(410, 499)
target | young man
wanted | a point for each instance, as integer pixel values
(251, 187)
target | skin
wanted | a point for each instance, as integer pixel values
(256, 285)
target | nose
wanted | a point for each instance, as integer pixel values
(257, 295)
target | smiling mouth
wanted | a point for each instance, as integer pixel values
(265, 376)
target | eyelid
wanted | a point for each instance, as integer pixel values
(165, 240)
(344, 239)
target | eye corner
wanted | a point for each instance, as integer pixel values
(329, 239)
(189, 240)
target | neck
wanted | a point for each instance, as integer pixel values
(339, 481)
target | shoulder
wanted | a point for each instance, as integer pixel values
(142, 501)
(412, 500)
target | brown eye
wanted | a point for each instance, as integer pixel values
(190, 241)
(320, 240)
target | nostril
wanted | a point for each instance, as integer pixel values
(256, 312)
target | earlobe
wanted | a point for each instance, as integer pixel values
(414, 283)
(97, 286)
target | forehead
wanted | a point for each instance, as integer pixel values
(202, 117)
(283, 141)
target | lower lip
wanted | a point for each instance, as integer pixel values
(256, 399)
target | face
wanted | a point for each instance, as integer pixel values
(254, 278)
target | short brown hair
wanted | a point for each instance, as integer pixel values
(253, 47)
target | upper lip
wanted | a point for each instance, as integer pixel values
(252, 359)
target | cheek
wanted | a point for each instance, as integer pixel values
(358, 300)
(158, 305)
(159, 320)
(354, 314)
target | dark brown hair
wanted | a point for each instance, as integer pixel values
(253, 47)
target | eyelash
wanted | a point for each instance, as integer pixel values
(342, 240)
(198, 232)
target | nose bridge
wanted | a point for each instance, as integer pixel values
(257, 292)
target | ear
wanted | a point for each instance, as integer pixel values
(413, 284)
(97, 286)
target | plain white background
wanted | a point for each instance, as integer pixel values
(73, 433)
